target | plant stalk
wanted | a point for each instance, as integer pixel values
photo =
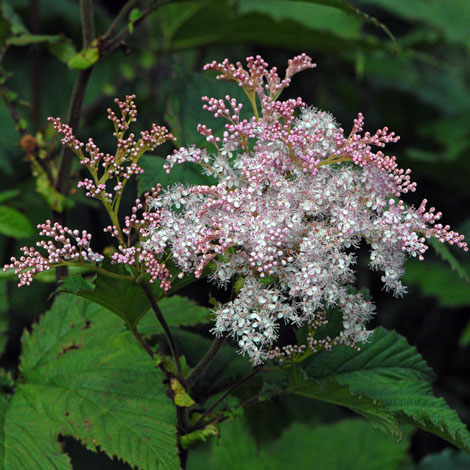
(166, 329)
(204, 363)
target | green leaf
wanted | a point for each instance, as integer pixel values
(450, 18)
(46, 189)
(448, 459)
(348, 444)
(124, 298)
(83, 376)
(28, 439)
(443, 251)
(84, 59)
(178, 311)
(187, 173)
(464, 340)
(332, 392)
(230, 27)
(200, 435)
(26, 39)
(355, 12)
(437, 280)
(315, 15)
(17, 25)
(127, 299)
(63, 49)
(392, 373)
(134, 15)
(14, 224)
(181, 397)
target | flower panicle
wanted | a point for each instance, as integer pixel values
(295, 196)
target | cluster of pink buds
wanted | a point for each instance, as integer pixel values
(64, 244)
(108, 177)
(294, 197)
(110, 173)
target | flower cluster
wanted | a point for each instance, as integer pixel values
(64, 245)
(295, 197)
(109, 175)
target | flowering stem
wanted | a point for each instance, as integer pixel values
(203, 364)
(166, 329)
(96, 269)
(252, 98)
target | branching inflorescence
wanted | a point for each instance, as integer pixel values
(295, 197)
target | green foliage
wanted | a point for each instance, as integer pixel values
(134, 15)
(390, 376)
(227, 367)
(449, 18)
(14, 223)
(180, 397)
(122, 296)
(3, 316)
(444, 252)
(9, 194)
(448, 459)
(200, 435)
(187, 173)
(349, 444)
(83, 376)
(84, 59)
(437, 280)
(178, 311)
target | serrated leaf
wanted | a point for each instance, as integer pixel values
(14, 224)
(227, 26)
(390, 371)
(349, 444)
(28, 439)
(123, 297)
(83, 376)
(332, 392)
